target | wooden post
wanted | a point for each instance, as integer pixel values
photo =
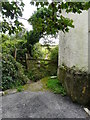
(15, 56)
(26, 60)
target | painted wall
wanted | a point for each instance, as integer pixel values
(89, 41)
(73, 46)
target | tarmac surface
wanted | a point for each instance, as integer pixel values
(40, 105)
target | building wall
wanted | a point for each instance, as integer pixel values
(73, 46)
(89, 41)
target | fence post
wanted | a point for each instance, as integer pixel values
(27, 61)
(15, 55)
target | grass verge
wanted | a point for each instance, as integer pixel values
(55, 86)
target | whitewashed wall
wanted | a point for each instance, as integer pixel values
(89, 41)
(73, 46)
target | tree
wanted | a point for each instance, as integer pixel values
(48, 19)
(48, 24)
(32, 37)
(11, 11)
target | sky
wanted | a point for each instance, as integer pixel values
(28, 11)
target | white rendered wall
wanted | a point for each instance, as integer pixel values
(73, 46)
(89, 40)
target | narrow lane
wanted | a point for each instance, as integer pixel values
(40, 105)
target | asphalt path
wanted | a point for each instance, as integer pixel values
(40, 105)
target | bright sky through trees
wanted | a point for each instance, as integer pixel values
(28, 10)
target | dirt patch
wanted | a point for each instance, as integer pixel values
(37, 86)
(31, 86)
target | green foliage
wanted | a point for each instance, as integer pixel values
(37, 51)
(56, 86)
(35, 76)
(9, 46)
(48, 20)
(54, 55)
(4, 38)
(32, 38)
(36, 73)
(36, 70)
(13, 73)
(21, 51)
(11, 10)
(20, 89)
(21, 34)
(53, 64)
(39, 69)
(51, 69)
(73, 6)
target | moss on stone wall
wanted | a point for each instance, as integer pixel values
(76, 82)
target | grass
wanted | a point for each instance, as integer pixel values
(20, 89)
(46, 84)
(55, 86)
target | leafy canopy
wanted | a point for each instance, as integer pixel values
(48, 23)
(11, 11)
(48, 20)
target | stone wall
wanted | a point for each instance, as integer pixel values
(76, 83)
